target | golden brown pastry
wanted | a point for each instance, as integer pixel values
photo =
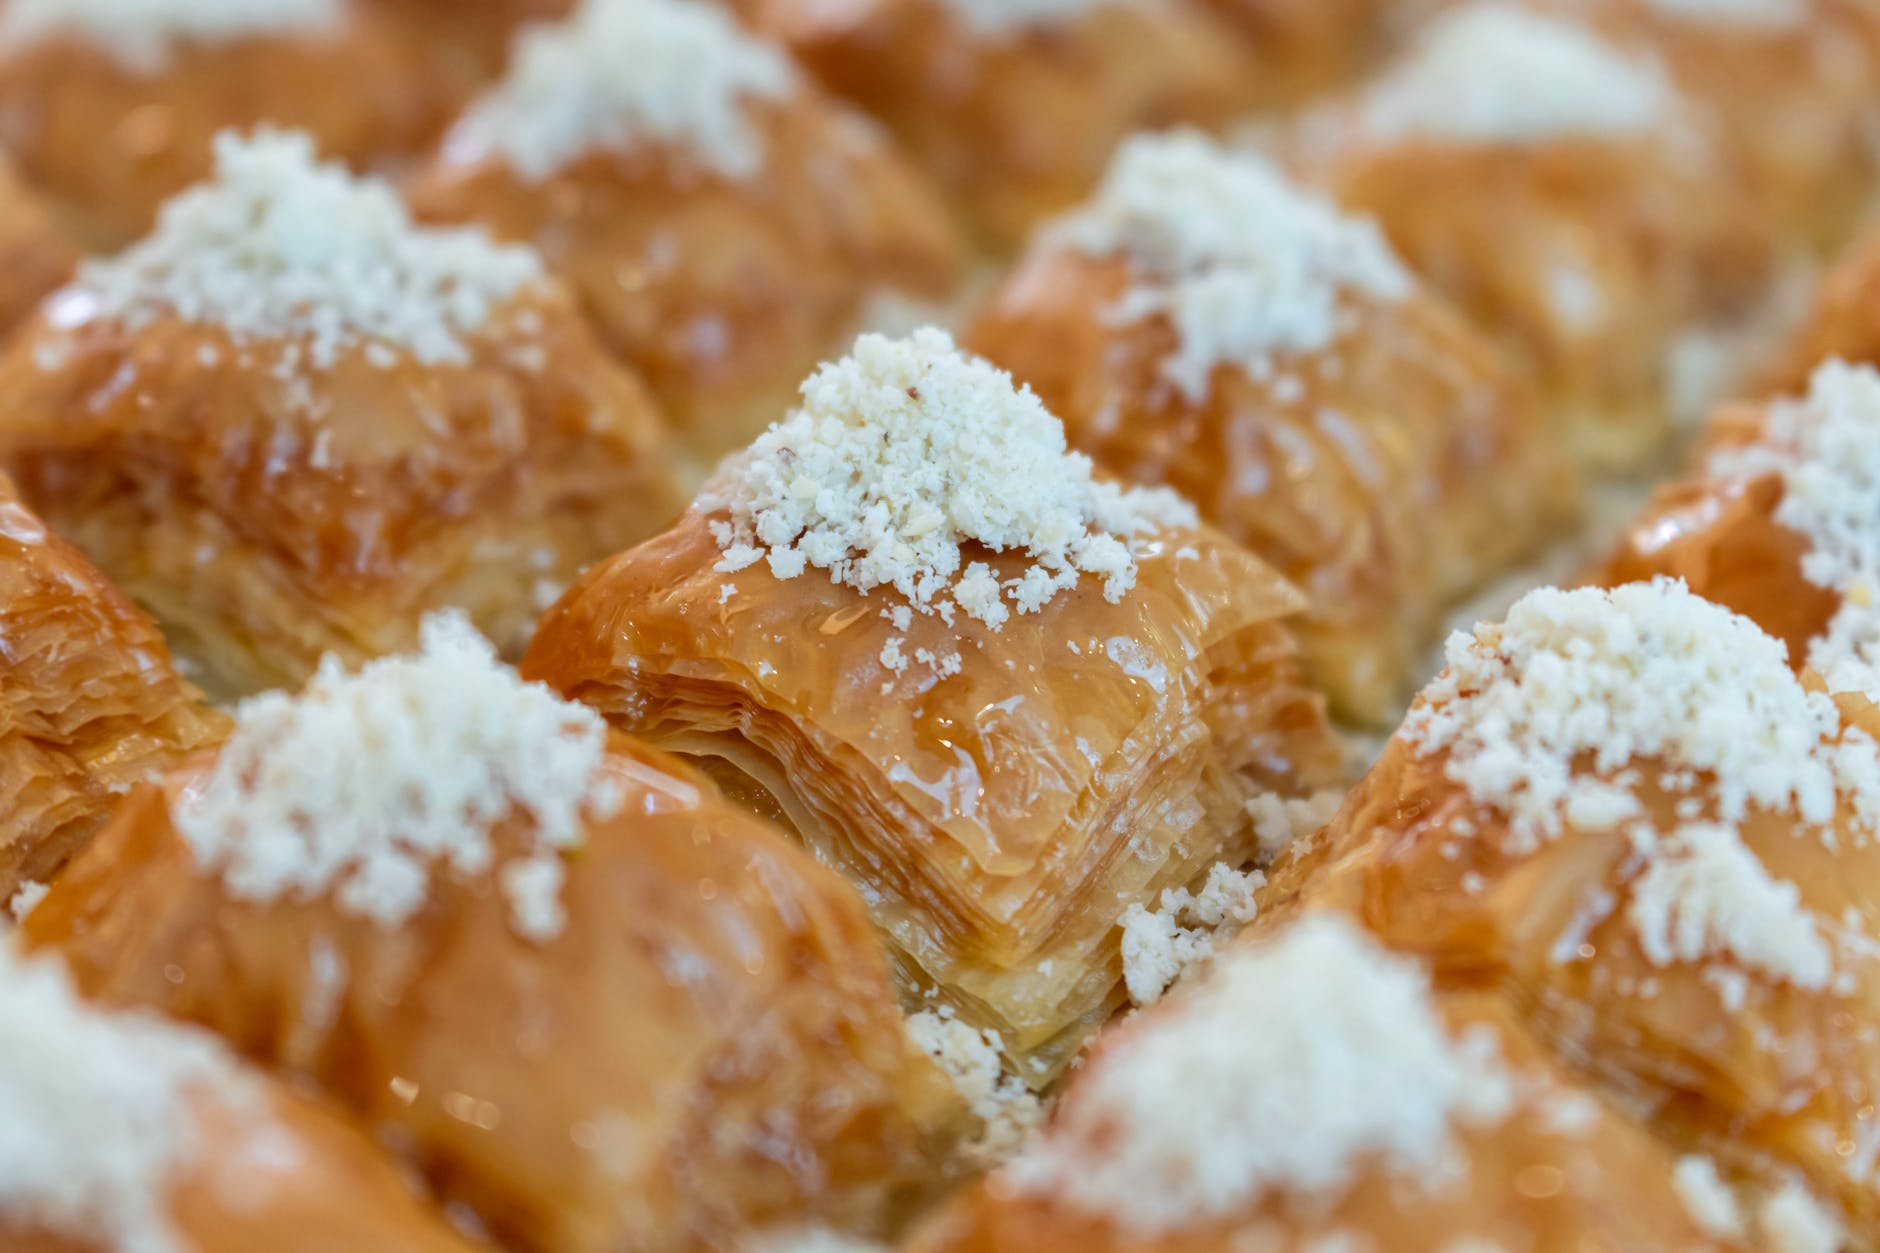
(1842, 321)
(1567, 198)
(36, 255)
(1623, 811)
(1304, 46)
(90, 703)
(290, 422)
(128, 1134)
(111, 108)
(1007, 699)
(596, 1005)
(1315, 1093)
(723, 223)
(1202, 324)
(471, 37)
(1015, 105)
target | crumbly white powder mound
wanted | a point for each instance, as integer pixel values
(972, 1059)
(1710, 1202)
(1578, 685)
(364, 784)
(1294, 1066)
(1243, 264)
(907, 450)
(1494, 73)
(1279, 820)
(141, 34)
(1002, 17)
(625, 72)
(1164, 945)
(277, 246)
(95, 1112)
(1775, 14)
(1793, 1220)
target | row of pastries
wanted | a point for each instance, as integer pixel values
(695, 755)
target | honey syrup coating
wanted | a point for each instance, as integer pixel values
(108, 142)
(709, 1043)
(1592, 247)
(1385, 473)
(1682, 936)
(90, 701)
(721, 289)
(36, 253)
(1015, 121)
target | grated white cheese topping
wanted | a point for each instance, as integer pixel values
(1293, 1066)
(95, 1117)
(141, 35)
(972, 1059)
(1710, 1202)
(1244, 265)
(278, 246)
(1163, 946)
(902, 454)
(620, 73)
(1279, 820)
(434, 750)
(1006, 17)
(1494, 73)
(809, 1240)
(1792, 1220)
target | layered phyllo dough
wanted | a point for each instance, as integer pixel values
(1560, 189)
(290, 422)
(111, 106)
(1623, 813)
(90, 702)
(1006, 697)
(1316, 1092)
(128, 1133)
(1015, 105)
(723, 222)
(1203, 324)
(596, 1006)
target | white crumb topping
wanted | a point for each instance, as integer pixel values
(907, 451)
(1791, 1220)
(1751, 13)
(972, 1060)
(141, 34)
(1709, 1201)
(1705, 894)
(1004, 17)
(1162, 946)
(809, 1240)
(1279, 820)
(1244, 265)
(1294, 1066)
(278, 246)
(621, 73)
(95, 1112)
(1585, 682)
(1494, 73)
(434, 749)
(26, 898)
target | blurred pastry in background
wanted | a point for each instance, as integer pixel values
(36, 252)
(290, 422)
(724, 224)
(1302, 47)
(1842, 322)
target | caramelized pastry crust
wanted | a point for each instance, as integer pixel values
(709, 1040)
(721, 287)
(1015, 116)
(108, 140)
(35, 253)
(89, 700)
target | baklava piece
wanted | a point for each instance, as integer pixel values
(290, 422)
(596, 1005)
(1624, 812)
(90, 703)
(129, 1134)
(723, 223)
(1560, 190)
(1315, 1093)
(1004, 697)
(1203, 324)
(111, 107)
(1015, 105)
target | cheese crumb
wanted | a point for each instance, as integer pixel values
(95, 1112)
(1162, 946)
(1295, 1065)
(907, 451)
(1007, 17)
(621, 73)
(141, 35)
(26, 899)
(1244, 265)
(435, 750)
(278, 246)
(971, 1059)
(1494, 73)
(1707, 1198)
(1279, 820)
(1793, 1221)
